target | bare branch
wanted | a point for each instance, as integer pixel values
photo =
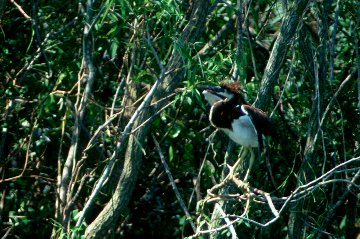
(67, 174)
(250, 194)
(21, 10)
(173, 185)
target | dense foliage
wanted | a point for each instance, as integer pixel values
(74, 74)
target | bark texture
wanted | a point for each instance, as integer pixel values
(289, 28)
(174, 73)
(278, 54)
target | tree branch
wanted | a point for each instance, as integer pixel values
(174, 72)
(278, 54)
(173, 185)
(67, 178)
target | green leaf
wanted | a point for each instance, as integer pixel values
(210, 167)
(171, 153)
(75, 214)
(175, 131)
(113, 49)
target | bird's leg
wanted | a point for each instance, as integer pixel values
(242, 157)
(259, 154)
(252, 159)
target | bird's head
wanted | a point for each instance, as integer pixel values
(226, 91)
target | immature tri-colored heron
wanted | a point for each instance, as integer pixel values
(243, 123)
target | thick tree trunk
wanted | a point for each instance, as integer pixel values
(284, 40)
(133, 156)
(278, 54)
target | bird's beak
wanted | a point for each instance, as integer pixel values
(211, 89)
(212, 94)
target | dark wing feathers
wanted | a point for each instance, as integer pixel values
(260, 119)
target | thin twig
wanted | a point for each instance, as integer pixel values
(198, 177)
(216, 38)
(331, 213)
(37, 53)
(35, 24)
(91, 142)
(21, 10)
(155, 114)
(288, 76)
(26, 157)
(120, 85)
(6, 117)
(172, 182)
(333, 42)
(88, 69)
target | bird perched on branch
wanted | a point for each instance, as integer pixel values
(243, 123)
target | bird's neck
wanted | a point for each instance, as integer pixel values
(223, 113)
